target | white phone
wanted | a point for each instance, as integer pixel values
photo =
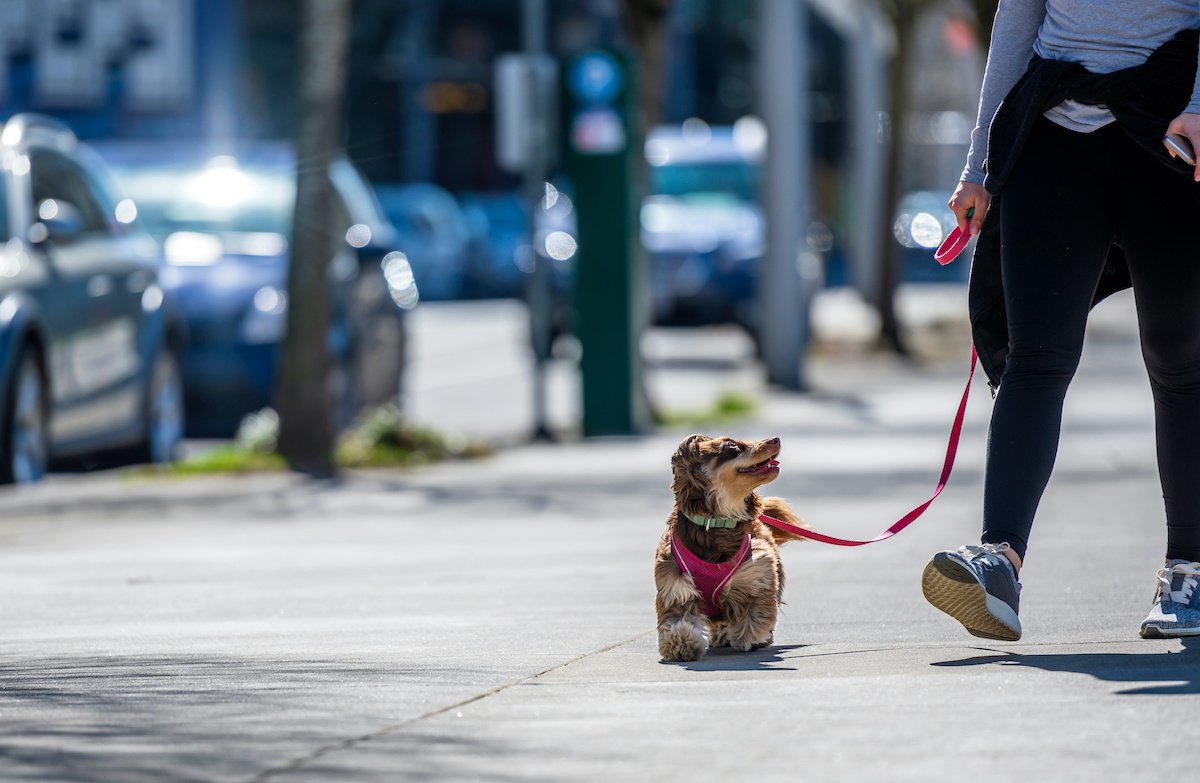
(1181, 147)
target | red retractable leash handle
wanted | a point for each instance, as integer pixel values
(948, 251)
(955, 242)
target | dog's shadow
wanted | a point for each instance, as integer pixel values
(727, 659)
(1155, 672)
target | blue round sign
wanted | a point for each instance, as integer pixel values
(595, 78)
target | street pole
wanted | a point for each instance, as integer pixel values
(782, 97)
(867, 66)
(419, 156)
(533, 35)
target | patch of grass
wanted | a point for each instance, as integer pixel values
(729, 407)
(226, 459)
(380, 439)
(383, 439)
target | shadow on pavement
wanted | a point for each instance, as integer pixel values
(1158, 672)
(193, 718)
(727, 659)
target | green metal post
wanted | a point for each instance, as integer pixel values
(604, 146)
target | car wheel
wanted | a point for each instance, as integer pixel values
(26, 450)
(163, 410)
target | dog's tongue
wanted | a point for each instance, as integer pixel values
(771, 463)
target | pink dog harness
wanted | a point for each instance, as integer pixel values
(710, 578)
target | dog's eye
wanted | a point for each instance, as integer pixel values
(730, 448)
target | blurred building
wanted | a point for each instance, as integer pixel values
(132, 68)
(419, 102)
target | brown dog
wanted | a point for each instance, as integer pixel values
(715, 521)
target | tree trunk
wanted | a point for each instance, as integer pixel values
(647, 22)
(304, 396)
(890, 334)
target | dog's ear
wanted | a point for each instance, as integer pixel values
(688, 480)
(688, 451)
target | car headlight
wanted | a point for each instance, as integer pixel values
(190, 248)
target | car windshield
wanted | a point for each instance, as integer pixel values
(735, 178)
(221, 200)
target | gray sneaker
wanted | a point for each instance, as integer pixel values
(977, 585)
(1176, 610)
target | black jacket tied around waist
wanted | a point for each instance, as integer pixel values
(1143, 99)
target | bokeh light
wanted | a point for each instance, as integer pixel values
(560, 245)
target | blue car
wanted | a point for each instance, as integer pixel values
(433, 234)
(501, 259)
(89, 347)
(702, 225)
(224, 222)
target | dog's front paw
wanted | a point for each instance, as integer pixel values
(764, 643)
(748, 643)
(682, 640)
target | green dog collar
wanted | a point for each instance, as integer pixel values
(711, 522)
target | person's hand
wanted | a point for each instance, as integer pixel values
(968, 195)
(1187, 125)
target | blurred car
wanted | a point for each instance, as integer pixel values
(224, 222)
(432, 232)
(496, 227)
(701, 225)
(501, 259)
(88, 346)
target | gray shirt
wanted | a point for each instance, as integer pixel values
(1101, 35)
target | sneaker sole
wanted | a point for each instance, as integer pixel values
(953, 589)
(1154, 632)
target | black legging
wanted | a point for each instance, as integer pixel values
(1069, 197)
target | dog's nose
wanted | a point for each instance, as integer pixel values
(774, 441)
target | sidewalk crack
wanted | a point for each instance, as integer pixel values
(353, 742)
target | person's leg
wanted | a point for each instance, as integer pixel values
(1157, 224)
(1056, 232)
(1159, 227)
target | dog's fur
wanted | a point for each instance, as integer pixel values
(706, 481)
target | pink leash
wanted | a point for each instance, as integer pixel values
(907, 519)
(954, 244)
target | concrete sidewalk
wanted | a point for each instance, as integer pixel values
(493, 620)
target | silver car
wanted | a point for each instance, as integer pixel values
(88, 346)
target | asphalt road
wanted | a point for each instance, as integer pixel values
(493, 620)
(472, 371)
